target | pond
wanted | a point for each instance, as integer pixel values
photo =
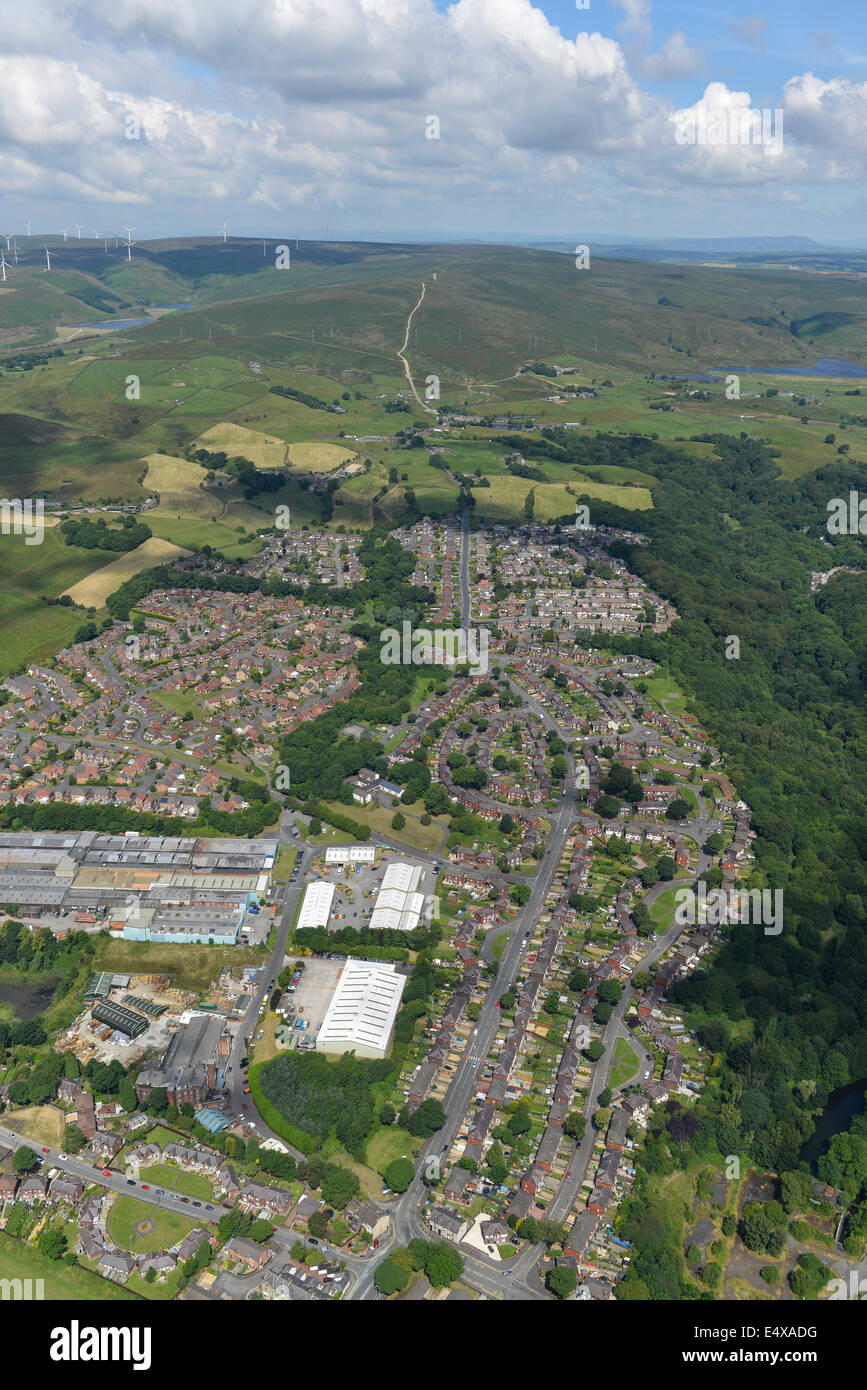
(842, 1107)
(105, 325)
(26, 1001)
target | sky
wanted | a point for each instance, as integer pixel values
(390, 119)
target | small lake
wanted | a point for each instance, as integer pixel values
(105, 325)
(26, 1001)
(826, 366)
(842, 1107)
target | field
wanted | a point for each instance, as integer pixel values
(32, 630)
(61, 1283)
(40, 1122)
(179, 486)
(191, 967)
(265, 450)
(418, 836)
(168, 1227)
(319, 458)
(93, 591)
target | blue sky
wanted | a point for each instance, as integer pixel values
(284, 115)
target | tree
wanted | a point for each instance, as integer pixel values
(677, 809)
(443, 1265)
(577, 981)
(24, 1160)
(562, 1281)
(126, 1095)
(339, 1186)
(389, 1279)
(52, 1243)
(594, 1050)
(399, 1174)
(387, 1114)
(574, 1125)
(427, 1119)
(203, 1253)
(317, 1224)
(398, 821)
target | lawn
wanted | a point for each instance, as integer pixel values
(390, 1143)
(662, 911)
(418, 836)
(286, 856)
(625, 1064)
(62, 1283)
(168, 1176)
(126, 1214)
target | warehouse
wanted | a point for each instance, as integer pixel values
(120, 1019)
(398, 905)
(316, 906)
(350, 854)
(363, 1008)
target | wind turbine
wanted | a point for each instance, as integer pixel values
(224, 231)
(65, 232)
(3, 266)
(78, 226)
(96, 234)
(8, 236)
(47, 257)
(129, 241)
(27, 227)
(15, 251)
(263, 246)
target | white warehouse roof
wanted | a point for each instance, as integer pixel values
(363, 1008)
(350, 854)
(316, 905)
(398, 904)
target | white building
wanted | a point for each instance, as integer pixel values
(360, 1017)
(398, 905)
(350, 854)
(316, 905)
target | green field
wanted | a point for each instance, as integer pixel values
(126, 1215)
(62, 1283)
(625, 1064)
(166, 1175)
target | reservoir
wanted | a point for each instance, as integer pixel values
(842, 1107)
(106, 325)
(826, 366)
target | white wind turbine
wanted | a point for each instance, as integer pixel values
(15, 251)
(47, 257)
(129, 243)
(65, 233)
(224, 231)
(8, 236)
(27, 227)
(78, 226)
(3, 266)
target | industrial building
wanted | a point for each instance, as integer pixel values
(192, 1068)
(316, 905)
(178, 881)
(399, 904)
(120, 1019)
(350, 854)
(360, 1017)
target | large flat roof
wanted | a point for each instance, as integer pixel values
(363, 1007)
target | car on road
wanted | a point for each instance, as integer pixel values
(145, 1187)
(197, 1204)
(311, 1240)
(246, 1093)
(160, 1191)
(45, 1151)
(184, 1199)
(106, 1172)
(130, 1182)
(243, 1107)
(568, 1174)
(210, 1208)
